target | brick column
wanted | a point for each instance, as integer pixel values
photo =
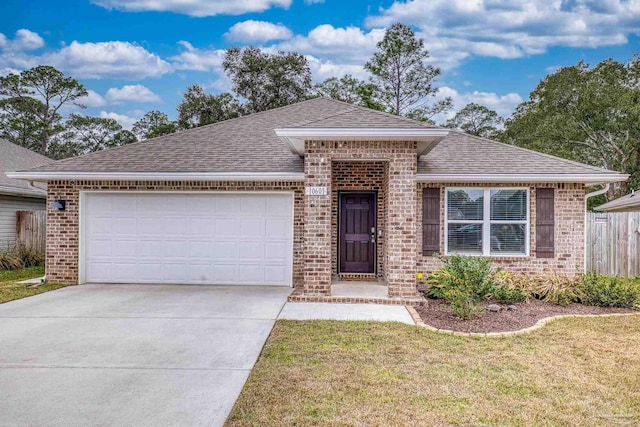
(401, 225)
(317, 221)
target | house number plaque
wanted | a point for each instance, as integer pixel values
(316, 191)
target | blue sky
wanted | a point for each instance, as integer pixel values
(139, 55)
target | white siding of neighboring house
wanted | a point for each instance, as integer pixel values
(8, 207)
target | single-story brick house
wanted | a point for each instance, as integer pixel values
(305, 194)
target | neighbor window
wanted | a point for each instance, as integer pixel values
(487, 221)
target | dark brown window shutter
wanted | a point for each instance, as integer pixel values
(430, 221)
(545, 223)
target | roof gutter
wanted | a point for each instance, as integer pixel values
(158, 176)
(592, 179)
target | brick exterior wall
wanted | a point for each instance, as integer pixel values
(358, 176)
(399, 256)
(63, 226)
(387, 167)
(569, 231)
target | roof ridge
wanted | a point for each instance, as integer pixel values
(383, 113)
(550, 156)
(323, 118)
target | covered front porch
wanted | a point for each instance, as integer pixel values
(359, 232)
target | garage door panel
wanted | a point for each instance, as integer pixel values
(279, 207)
(252, 227)
(225, 273)
(276, 251)
(149, 272)
(100, 224)
(187, 238)
(125, 247)
(226, 226)
(275, 273)
(251, 273)
(251, 250)
(276, 227)
(150, 226)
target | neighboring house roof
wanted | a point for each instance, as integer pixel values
(630, 202)
(14, 157)
(249, 146)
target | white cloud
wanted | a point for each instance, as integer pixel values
(94, 99)
(125, 121)
(257, 31)
(323, 69)
(113, 59)
(350, 44)
(194, 7)
(23, 40)
(198, 59)
(512, 28)
(131, 93)
(502, 104)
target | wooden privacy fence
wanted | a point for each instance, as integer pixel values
(613, 243)
(31, 229)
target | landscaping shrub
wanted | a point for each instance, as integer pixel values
(462, 303)
(508, 296)
(462, 282)
(557, 289)
(471, 274)
(605, 291)
(20, 256)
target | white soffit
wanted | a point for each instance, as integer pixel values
(427, 138)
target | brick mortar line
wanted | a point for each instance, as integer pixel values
(538, 325)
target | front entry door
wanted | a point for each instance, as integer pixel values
(357, 232)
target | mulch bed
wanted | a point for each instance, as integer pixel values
(438, 314)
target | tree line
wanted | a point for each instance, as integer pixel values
(591, 115)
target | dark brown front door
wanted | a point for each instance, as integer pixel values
(357, 232)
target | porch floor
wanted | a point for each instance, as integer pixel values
(359, 289)
(355, 292)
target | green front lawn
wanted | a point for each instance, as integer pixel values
(572, 372)
(11, 290)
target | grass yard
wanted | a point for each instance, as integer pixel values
(11, 290)
(572, 372)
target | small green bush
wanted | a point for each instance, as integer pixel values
(605, 291)
(462, 282)
(470, 274)
(508, 296)
(462, 303)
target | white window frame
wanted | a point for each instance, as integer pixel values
(486, 222)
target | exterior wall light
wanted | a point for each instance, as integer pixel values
(59, 204)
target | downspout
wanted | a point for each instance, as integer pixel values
(586, 200)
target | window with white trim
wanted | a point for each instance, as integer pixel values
(487, 221)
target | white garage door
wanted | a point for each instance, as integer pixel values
(212, 238)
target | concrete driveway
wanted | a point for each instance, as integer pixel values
(143, 355)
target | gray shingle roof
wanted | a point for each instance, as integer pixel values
(630, 202)
(460, 153)
(12, 158)
(249, 144)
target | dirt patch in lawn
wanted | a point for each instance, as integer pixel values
(438, 314)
